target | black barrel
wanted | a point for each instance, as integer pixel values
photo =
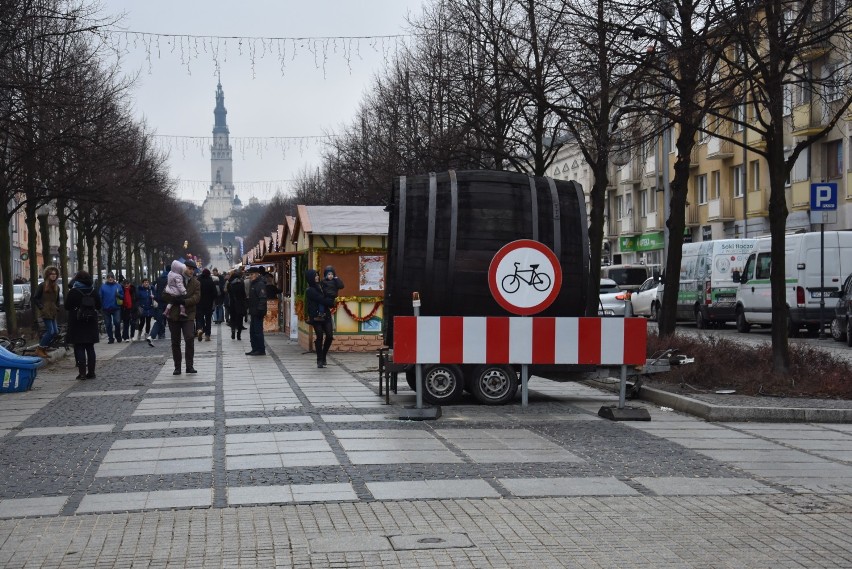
(445, 228)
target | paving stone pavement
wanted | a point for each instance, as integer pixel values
(262, 462)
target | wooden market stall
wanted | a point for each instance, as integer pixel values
(353, 239)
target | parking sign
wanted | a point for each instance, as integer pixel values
(824, 202)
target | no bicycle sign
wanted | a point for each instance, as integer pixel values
(525, 277)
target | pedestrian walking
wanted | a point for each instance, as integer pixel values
(318, 315)
(83, 304)
(158, 330)
(238, 305)
(204, 311)
(218, 304)
(128, 311)
(112, 297)
(46, 300)
(145, 309)
(183, 325)
(226, 298)
(257, 310)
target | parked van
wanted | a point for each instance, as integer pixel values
(630, 277)
(707, 293)
(803, 290)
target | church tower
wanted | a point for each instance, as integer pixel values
(218, 209)
(219, 204)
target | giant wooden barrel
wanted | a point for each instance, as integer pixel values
(446, 227)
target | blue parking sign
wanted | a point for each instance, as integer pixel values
(824, 196)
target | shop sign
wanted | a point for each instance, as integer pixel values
(626, 244)
(650, 241)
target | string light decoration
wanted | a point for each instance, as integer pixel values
(261, 189)
(190, 48)
(241, 144)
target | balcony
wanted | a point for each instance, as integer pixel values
(693, 156)
(719, 149)
(721, 209)
(754, 139)
(653, 221)
(627, 227)
(801, 196)
(758, 203)
(631, 173)
(692, 218)
(808, 119)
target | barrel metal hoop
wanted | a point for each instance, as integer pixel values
(400, 245)
(454, 220)
(534, 208)
(557, 219)
(430, 235)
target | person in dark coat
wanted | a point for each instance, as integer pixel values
(318, 314)
(204, 310)
(82, 328)
(238, 305)
(257, 303)
(181, 326)
(145, 309)
(46, 299)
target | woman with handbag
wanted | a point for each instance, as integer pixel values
(145, 309)
(318, 314)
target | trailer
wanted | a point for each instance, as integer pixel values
(462, 248)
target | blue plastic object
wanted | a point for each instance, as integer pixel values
(17, 373)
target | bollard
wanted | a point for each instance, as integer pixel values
(419, 412)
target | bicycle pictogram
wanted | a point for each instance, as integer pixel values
(539, 281)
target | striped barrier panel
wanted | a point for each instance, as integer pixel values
(518, 340)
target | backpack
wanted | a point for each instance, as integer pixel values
(87, 311)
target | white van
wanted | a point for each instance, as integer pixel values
(707, 293)
(803, 290)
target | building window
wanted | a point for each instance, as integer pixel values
(737, 181)
(754, 170)
(715, 184)
(702, 131)
(788, 100)
(701, 188)
(652, 200)
(643, 203)
(834, 159)
(832, 82)
(803, 95)
(739, 117)
(619, 206)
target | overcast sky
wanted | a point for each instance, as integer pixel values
(176, 99)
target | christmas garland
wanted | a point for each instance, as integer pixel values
(300, 307)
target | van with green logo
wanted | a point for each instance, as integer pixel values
(707, 293)
(805, 289)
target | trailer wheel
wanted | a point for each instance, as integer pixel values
(442, 383)
(494, 384)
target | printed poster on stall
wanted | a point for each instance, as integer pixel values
(371, 269)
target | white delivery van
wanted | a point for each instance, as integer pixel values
(802, 277)
(707, 293)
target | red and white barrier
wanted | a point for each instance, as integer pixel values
(511, 340)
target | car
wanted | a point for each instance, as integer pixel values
(841, 324)
(21, 296)
(645, 300)
(613, 300)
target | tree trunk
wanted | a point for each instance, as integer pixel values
(6, 272)
(62, 217)
(81, 245)
(777, 276)
(137, 254)
(597, 197)
(90, 245)
(129, 264)
(44, 229)
(32, 243)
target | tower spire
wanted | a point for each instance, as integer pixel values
(220, 113)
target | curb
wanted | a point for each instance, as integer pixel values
(732, 413)
(728, 413)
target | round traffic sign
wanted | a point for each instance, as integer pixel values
(525, 277)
